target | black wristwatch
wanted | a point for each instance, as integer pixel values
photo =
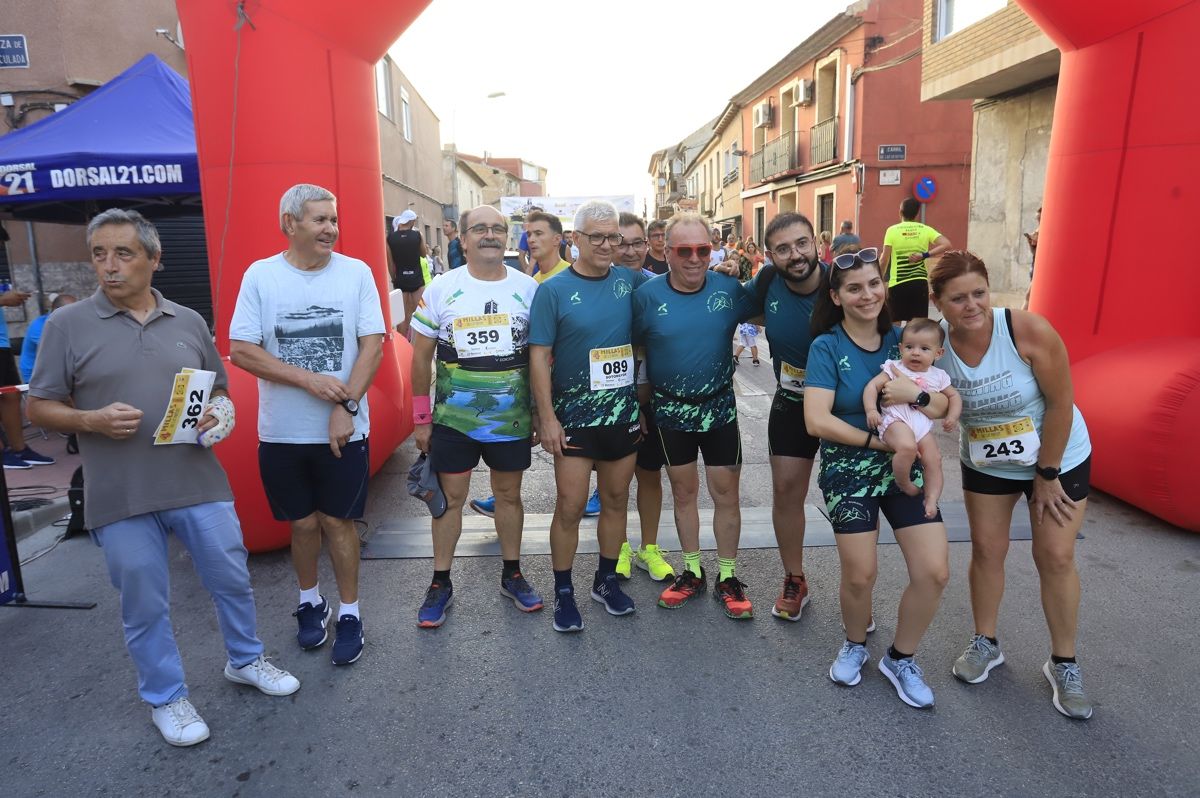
(350, 405)
(1048, 473)
(922, 400)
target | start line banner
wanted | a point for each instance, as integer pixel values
(562, 207)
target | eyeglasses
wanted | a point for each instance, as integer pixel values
(497, 230)
(786, 251)
(637, 243)
(596, 239)
(847, 259)
(686, 252)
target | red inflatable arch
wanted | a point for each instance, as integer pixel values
(283, 92)
(1116, 271)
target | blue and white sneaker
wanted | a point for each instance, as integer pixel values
(484, 506)
(348, 641)
(438, 599)
(592, 508)
(521, 593)
(13, 462)
(608, 592)
(847, 667)
(34, 458)
(909, 681)
(313, 622)
(566, 613)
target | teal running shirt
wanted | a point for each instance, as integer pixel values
(688, 340)
(588, 323)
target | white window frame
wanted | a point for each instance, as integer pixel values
(406, 115)
(383, 88)
(978, 10)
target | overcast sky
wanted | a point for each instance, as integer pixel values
(593, 89)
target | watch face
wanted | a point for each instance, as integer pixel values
(351, 406)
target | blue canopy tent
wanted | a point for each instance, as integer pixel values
(131, 143)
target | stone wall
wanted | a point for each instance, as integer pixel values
(1011, 147)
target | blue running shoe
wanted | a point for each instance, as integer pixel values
(438, 599)
(847, 667)
(313, 622)
(608, 592)
(484, 506)
(908, 680)
(592, 508)
(521, 593)
(34, 458)
(14, 462)
(566, 614)
(348, 640)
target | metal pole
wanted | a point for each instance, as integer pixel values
(37, 269)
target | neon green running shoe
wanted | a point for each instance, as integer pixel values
(625, 561)
(650, 560)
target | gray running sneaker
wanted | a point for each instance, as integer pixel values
(1067, 683)
(978, 660)
(909, 681)
(847, 668)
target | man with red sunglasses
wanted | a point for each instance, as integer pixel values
(685, 320)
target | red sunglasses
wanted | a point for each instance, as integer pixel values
(703, 251)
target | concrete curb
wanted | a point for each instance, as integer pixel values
(26, 522)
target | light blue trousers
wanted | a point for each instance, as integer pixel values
(136, 551)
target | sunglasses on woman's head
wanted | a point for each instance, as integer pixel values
(847, 259)
(703, 251)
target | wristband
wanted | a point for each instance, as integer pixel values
(421, 410)
(869, 436)
(925, 255)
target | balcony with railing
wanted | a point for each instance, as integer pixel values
(823, 140)
(774, 158)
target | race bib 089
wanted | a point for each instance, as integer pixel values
(611, 367)
(488, 335)
(1014, 442)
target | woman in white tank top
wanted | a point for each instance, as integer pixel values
(1021, 433)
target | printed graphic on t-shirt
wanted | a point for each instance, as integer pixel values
(311, 338)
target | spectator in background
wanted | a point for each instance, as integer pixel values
(454, 250)
(33, 335)
(17, 454)
(824, 247)
(845, 237)
(523, 244)
(656, 256)
(1032, 240)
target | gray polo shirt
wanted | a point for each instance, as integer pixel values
(94, 354)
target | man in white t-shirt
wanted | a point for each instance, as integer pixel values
(473, 325)
(718, 250)
(309, 325)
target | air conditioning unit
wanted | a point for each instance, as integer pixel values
(804, 91)
(762, 114)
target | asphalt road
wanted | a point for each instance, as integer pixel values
(662, 702)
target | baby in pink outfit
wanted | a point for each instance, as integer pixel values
(904, 427)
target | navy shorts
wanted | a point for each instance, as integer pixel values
(786, 434)
(1075, 482)
(721, 446)
(452, 452)
(650, 453)
(302, 478)
(608, 443)
(909, 300)
(861, 513)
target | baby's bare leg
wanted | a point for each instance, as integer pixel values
(900, 437)
(931, 462)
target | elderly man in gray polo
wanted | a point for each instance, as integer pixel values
(105, 370)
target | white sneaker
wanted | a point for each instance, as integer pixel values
(263, 675)
(180, 723)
